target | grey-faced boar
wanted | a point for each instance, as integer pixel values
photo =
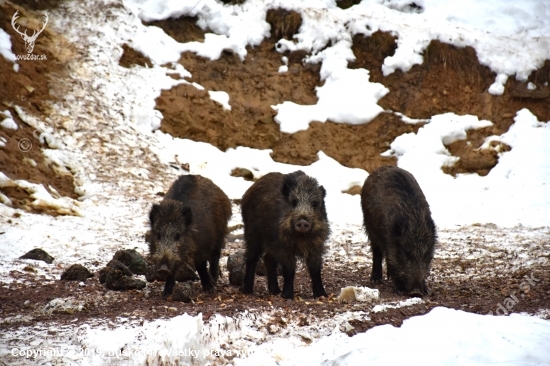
(187, 230)
(399, 224)
(285, 217)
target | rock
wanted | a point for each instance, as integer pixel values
(117, 276)
(39, 255)
(186, 273)
(236, 266)
(150, 275)
(236, 277)
(76, 272)
(236, 260)
(184, 292)
(117, 265)
(133, 260)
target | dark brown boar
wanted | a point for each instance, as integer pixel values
(399, 224)
(285, 217)
(187, 230)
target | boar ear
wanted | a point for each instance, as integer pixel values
(323, 190)
(399, 226)
(154, 213)
(289, 183)
(187, 215)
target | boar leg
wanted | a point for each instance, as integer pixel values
(376, 275)
(271, 271)
(214, 262)
(289, 271)
(252, 257)
(206, 281)
(314, 264)
(168, 286)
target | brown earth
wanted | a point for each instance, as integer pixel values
(451, 79)
(481, 296)
(29, 89)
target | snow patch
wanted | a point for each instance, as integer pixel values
(404, 303)
(7, 121)
(459, 338)
(220, 97)
(42, 199)
(521, 175)
(5, 46)
(361, 294)
(64, 305)
(497, 88)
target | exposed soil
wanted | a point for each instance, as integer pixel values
(40, 4)
(451, 79)
(254, 86)
(29, 88)
(470, 293)
(131, 57)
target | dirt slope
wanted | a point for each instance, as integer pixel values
(30, 89)
(450, 80)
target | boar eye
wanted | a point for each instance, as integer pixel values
(158, 236)
(177, 237)
(294, 202)
(314, 204)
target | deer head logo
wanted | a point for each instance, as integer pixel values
(29, 40)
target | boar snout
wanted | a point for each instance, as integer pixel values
(302, 226)
(163, 272)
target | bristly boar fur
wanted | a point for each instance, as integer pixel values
(285, 217)
(188, 229)
(399, 224)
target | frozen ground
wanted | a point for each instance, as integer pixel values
(489, 227)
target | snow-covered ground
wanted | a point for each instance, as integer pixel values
(113, 108)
